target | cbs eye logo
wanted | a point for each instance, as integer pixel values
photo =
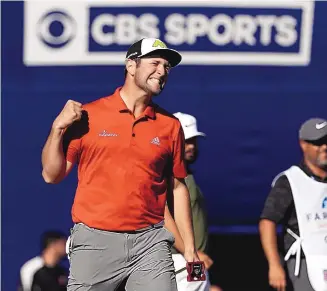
(56, 29)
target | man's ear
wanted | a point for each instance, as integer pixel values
(303, 145)
(131, 67)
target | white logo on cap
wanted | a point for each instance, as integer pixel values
(133, 54)
(321, 125)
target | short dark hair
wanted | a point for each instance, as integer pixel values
(50, 236)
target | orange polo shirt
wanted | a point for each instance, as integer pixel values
(123, 164)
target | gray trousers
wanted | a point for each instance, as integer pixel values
(102, 260)
(300, 282)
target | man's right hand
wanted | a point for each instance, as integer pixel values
(277, 277)
(70, 113)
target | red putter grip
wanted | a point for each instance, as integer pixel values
(195, 271)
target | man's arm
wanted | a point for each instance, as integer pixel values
(55, 166)
(277, 276)
(276, 205)
(268, 235)
(179, 244)
(172, 227)
(183, 218)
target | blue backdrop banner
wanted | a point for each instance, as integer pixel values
(252, 72)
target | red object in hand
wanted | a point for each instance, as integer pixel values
(195, 271)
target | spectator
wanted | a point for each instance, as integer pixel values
(297, 201)
(199, 213)
(44, 272)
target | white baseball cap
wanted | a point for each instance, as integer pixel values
(189, 126)
(153, 46)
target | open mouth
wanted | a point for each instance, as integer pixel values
(160, 82)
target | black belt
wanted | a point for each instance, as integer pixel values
(180, 270)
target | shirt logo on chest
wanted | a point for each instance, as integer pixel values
(105, 133)
(156, 141)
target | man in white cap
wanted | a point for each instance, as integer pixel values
(297, 200)
(128, 150)
(199, 215)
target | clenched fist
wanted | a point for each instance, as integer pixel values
(70, 113)
(277, 277)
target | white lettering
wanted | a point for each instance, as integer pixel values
(101, 37)
(266, 23)
(244, 30)
(148, 26)
(197, 27)
(127, 28)
(222, 29)
(220, 21)
(286, 32)
(174, 25)
(125, 32)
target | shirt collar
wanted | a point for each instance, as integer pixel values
(119, 103)
(307, 170)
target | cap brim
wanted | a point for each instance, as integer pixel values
(313, 135)
(173, 57)
(195, 134)
(314, 138)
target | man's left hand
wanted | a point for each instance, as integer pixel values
(191, 256)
